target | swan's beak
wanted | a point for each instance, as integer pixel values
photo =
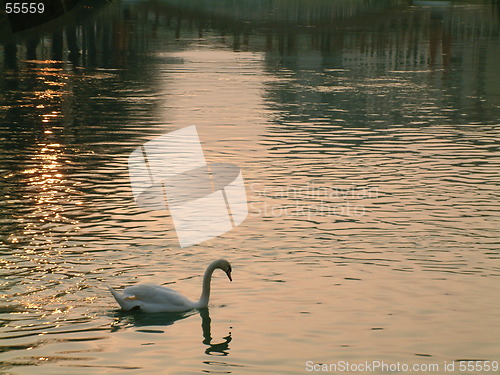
(228, 273)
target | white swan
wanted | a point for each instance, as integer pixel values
(157, 298)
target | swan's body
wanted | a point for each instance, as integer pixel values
(157, 298)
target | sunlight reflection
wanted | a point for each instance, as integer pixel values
(44, 226)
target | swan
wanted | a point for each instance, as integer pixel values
(157, 298)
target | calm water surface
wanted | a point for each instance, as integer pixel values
(367, 133)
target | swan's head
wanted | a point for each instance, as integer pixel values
(225, 266)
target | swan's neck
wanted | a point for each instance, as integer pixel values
(205, 291)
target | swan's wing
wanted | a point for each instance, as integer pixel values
(151, 294)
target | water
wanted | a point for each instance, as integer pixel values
(367, 134)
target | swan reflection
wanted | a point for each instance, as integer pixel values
(220, 348)
(138, 318)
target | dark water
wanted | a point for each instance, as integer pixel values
(367, 134)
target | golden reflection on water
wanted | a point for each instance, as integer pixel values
(47, 185)
(39, 198)
(50, 191)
